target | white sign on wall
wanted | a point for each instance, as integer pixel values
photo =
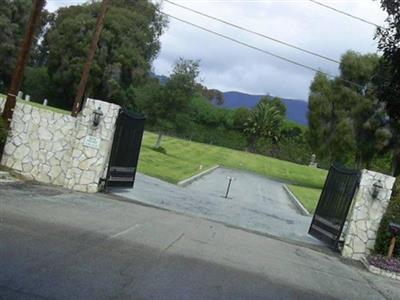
(92, 142)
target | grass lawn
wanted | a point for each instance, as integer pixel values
(308, 196)
(183, 159)
(41, 106)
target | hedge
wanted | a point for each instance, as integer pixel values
(392, 216)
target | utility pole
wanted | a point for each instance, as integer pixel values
(86, 68)
(22, 60)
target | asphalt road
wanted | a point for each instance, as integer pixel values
(254, 202)
(58, 244)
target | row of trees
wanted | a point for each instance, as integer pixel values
(181, 106)
(121, 73)
(347, 122)
(128, 45)
(355, 118)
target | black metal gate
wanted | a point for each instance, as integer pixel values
(334, 204)
(125, 150)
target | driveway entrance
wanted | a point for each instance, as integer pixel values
(254, 203)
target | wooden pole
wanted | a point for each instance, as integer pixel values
(92, 50)
(391, 247)
(22, 60)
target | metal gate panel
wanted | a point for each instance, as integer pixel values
(334, 204)
(125, 150)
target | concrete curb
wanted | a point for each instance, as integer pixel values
(189, 180)
(300, 207)
(5, 177)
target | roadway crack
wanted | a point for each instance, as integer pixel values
(173, 242)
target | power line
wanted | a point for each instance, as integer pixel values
(254, 32)
(257, 48)
(345, 13)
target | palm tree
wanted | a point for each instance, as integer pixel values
(265, 120)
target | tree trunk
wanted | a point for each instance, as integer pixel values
(358, 160)
(396, 162)
(158, 143)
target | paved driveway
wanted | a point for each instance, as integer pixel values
(255, 203)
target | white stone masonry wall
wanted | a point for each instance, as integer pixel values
(39, 145)
(59, 149)
(366, 214)
(89, 162)
(2, 102)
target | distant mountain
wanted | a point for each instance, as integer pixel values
(296, 109)
(161, 78)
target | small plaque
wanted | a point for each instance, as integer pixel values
(92, 142)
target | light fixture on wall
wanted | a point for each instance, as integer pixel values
(376, 188)
(97, 114)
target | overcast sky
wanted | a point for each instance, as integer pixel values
(228, 66)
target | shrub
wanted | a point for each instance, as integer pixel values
(3, 132)
(37, 84)
(392, 215)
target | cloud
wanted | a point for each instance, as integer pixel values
(229, 66)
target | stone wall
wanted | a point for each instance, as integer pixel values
(366, 213)
(55, 148)
(89, 160)
(2, 102)
(39, 145)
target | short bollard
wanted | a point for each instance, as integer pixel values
(394, 229)
(229, 186)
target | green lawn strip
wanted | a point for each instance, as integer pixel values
(183, 160)
(46, 107)
(307, 196)
(40, 106)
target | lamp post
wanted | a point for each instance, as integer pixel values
(97, 114)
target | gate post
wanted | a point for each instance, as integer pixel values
(369, 205)
(92, 145)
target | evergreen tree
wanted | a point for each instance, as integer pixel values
(388, 78)
(14, 16)
(347, 123)
(128, 44)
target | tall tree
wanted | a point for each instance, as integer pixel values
(347, 124)
(163, 104)
(388, 79)
(330, 133)
(128, 44)
(14, 16)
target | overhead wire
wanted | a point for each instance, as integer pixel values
(280, 57)
(346, 13)
(254, 32)
(257, 48)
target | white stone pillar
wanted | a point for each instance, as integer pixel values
(91, 146)
(366, 214)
